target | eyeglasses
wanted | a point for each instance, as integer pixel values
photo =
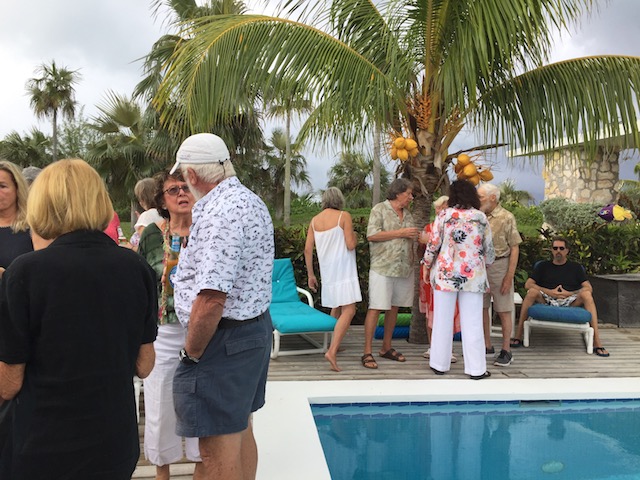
(175, 190)
(558, 248)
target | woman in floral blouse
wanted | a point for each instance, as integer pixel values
(455, 261)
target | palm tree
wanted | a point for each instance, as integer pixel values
(509, 193)
(420, 68)
(275, 165)
(284, 107)
(32, 149)
(52, 92)
(129, 147)
(353, 175)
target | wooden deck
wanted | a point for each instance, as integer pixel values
(552, 354)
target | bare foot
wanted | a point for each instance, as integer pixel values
(333, 361)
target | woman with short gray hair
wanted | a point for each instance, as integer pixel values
(332, 233)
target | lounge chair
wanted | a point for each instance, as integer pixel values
(291, 316)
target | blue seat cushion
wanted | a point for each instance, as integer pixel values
(398, 332)
(550, 313)
(298, 317)
(283, 283)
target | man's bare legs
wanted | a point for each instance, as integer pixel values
(344, 315)
(370, 322)
(163, 472)
(390, 320)
(232, 457)
(585, 299)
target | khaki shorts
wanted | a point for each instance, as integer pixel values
(386, 292)
(495, 273)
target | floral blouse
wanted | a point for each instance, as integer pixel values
(459, 250)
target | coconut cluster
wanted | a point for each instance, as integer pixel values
(466, 169)
(403, 148)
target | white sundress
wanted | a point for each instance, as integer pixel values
(338, 270)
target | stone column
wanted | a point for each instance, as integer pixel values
(575, 175)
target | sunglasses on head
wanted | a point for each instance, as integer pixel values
(175, 190)
(559, 248)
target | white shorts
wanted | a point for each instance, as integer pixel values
(386, 292)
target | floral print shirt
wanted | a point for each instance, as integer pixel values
(459, 250)
(231, 250)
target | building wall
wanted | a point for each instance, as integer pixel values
(568, 174)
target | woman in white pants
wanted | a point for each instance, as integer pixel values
(455, 259)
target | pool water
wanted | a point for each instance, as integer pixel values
(555, 440)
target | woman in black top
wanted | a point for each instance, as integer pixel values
(14, 234)
(77, 321)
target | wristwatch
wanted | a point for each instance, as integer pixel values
(185, 358)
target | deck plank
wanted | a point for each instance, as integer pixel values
(551, 354)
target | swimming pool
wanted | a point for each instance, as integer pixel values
(289, 444)
(570, 439)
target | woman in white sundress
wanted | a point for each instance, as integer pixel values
(332, 233)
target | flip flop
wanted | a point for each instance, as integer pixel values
(515, 343)
(392, 354)
(480, 377)
(600, 351)
(368, 361)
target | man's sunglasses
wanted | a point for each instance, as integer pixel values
(175, 190)
(558, 248)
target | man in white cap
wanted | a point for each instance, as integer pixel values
(222, 295)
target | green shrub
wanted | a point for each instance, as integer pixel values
(528, 219)
(563, 214)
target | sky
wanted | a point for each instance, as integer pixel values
(105, 40)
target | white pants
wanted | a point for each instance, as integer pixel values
(473, 349)
(161, 444)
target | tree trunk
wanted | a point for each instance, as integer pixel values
(375, 195)
(54, 136)
(418, 329)
(287, 174)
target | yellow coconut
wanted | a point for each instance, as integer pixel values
(464, 159)
(414, 152)
(458, 167)
(469, 170)
(403, 155)
(410, 144)
(486, 175)
(394, 153)
(399, 142)
(475, 179)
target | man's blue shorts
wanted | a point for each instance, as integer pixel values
(217, 395)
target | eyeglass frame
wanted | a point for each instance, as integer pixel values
(176, 189)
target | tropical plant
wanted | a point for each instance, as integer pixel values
(272, 186)
(127, 147)
(284, 107)
(509, 193)
(420, 68)
(32, 149)
(52, 93)
(353, 175)
(563, 214)
(76, 136)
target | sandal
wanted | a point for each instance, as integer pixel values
(437, 372)
(480, 377)
(600, 351)
(515, 343)
(368, 361)
(392, 354)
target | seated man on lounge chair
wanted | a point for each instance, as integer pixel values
(561, 283)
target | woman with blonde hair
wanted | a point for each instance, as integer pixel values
(14, 231)
(335, 241)
(77, 321)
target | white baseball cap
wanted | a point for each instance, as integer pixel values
(201, 148)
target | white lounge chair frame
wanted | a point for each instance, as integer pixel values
(584, 328)
(319, 347)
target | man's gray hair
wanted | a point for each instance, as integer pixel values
(440, 201)
(398, 186)
(490, 189)
(213, 172)
(333, 198)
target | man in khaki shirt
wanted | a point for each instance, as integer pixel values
(391, 233)
(506, 241)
